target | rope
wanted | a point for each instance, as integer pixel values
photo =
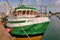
(25, 32)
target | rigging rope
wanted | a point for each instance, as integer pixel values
(24, 31)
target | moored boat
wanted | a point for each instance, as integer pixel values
(24, 21)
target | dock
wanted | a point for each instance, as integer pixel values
(58, 15)
(4, 35)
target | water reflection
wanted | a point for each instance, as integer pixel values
(53, 30)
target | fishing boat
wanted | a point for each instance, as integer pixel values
(25, 21)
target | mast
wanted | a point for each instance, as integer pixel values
(8, 7)
(20, 4)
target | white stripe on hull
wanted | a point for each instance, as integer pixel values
(27, 18)
(29, 21)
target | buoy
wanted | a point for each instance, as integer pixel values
(8, 29)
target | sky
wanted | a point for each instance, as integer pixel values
(52, 5)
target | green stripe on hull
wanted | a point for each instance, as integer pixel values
(30, 29)
(17, 21)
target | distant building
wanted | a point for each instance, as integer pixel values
(57, 12)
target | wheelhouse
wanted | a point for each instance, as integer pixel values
(23, 11)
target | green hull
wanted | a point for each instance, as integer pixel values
(30, 29)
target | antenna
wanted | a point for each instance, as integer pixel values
(21, 2)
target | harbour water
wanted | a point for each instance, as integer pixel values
(53, 30)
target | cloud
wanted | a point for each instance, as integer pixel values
(27, 2)
(38, 2)
(2, 6)
(57, 3)
(54, 4)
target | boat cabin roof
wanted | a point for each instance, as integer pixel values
(23, 7)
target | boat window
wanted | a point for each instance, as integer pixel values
(27, 12)
(24, 12)
(19, 12)
(34, 12)
(31, 12)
